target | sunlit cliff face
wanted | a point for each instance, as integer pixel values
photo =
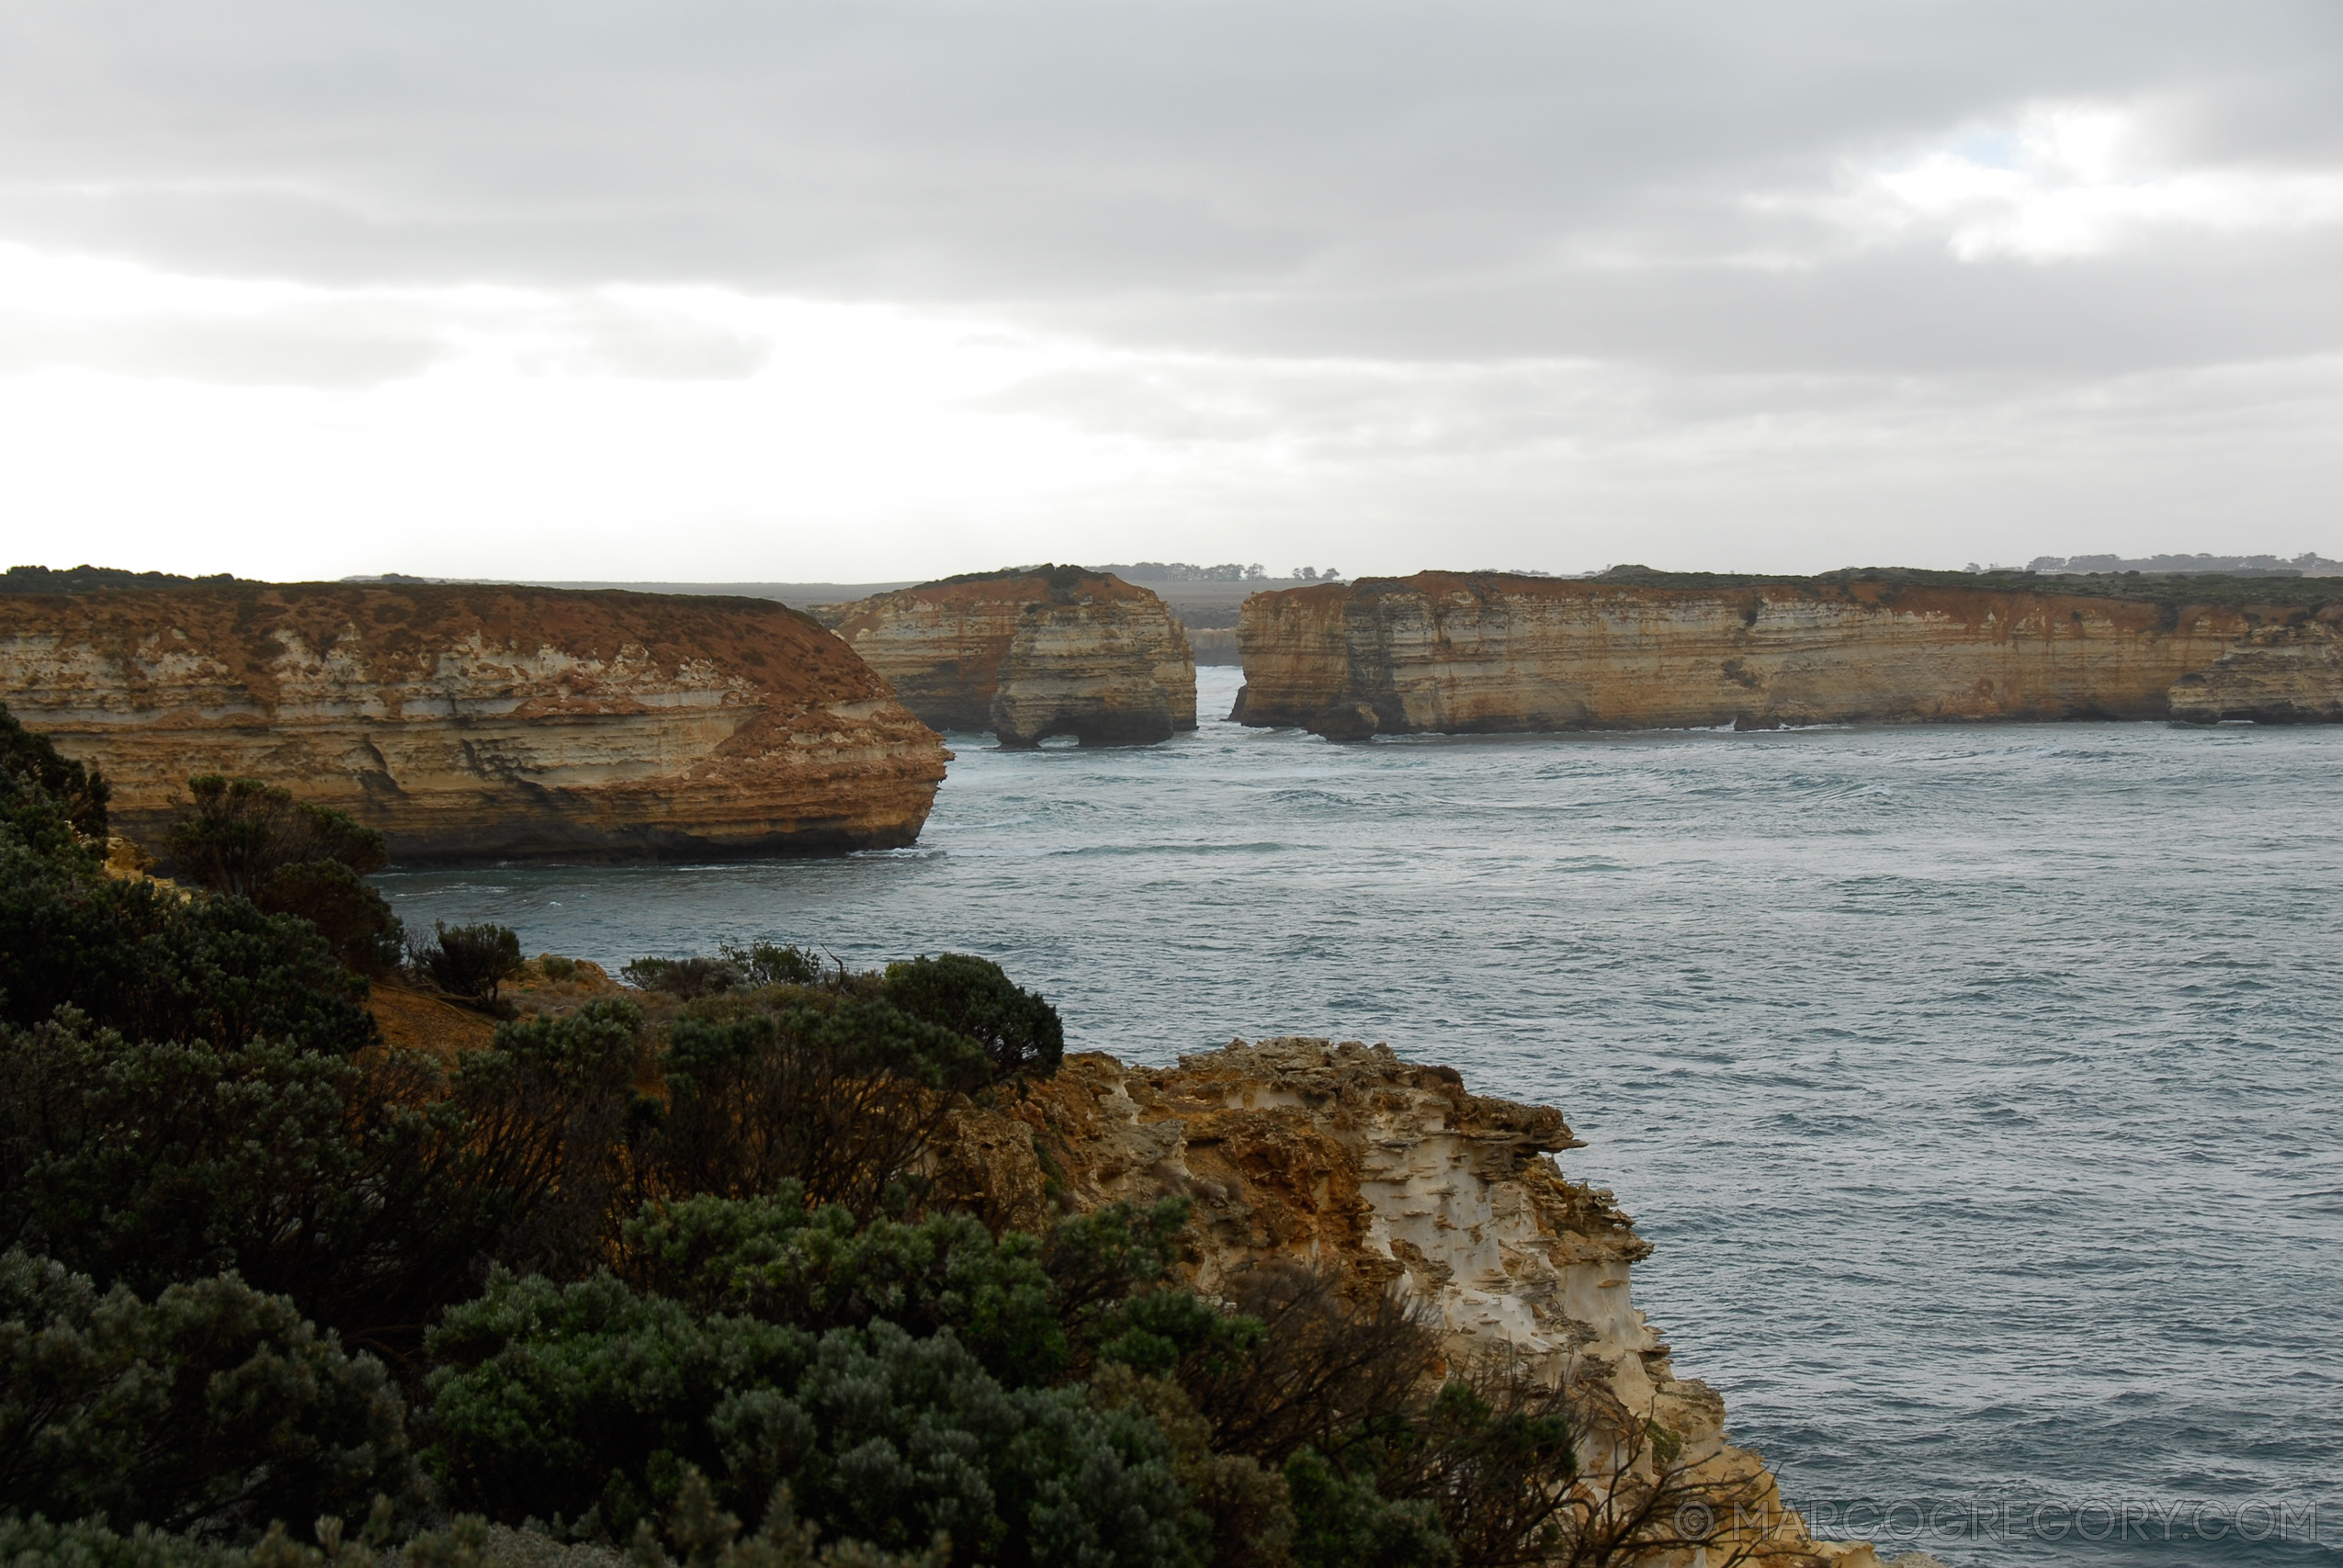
(482, 724)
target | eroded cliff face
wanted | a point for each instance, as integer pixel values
(471, 724)
(2282, 674)
(1032, 655)
(1458, 653)
(1344, 1156)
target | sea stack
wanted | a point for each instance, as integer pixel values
(1465, 652)
(473, 724)
(1030, 654)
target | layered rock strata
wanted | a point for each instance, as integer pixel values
(1031, 655)
(2282, 674)
(1458, 653)
(480, 724)
(1346, 1158)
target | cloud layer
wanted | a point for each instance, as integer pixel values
(1789, 285)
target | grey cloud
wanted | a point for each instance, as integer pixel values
(1428, 181)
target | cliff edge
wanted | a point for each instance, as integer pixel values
(1342, 1156)
(482, 723)
(1463, 652)
(1053, 650)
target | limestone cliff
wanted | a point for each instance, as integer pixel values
(482, 723)
(2281, 674)
(1032, 654)
(1457, 652)
(1344, 1156)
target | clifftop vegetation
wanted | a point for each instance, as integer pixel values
(638, 1269)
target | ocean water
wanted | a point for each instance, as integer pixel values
(1981, 1087)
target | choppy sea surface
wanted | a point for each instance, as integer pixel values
(1981, 1087)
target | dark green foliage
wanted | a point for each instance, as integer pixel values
(31, 767)
(705, 1536)
(2170, 588)
(763, 964)
(355, 919)
(685, 977)
(839, 1099)
(591, 1397)
(159, 967)
(469, 962)
(773, 1258)
(1325, 1368)
(251, 839)
(367, 1194)
(211, 1408)
(235, 833)
(1018, 1030)
(587, 1397)
(1344, 1523)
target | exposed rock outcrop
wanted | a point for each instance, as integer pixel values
(2287, 674)
(1031, 654)
(1342, 1156)
(1465, 652)
(475, 724)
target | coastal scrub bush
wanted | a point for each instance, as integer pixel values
(841, 1100)
(687, 978)
(1018, 1032)
(369, 1193)
(705, 1536)
(246, 839)
(210, 1409)
(157, 967)
(34, 775)
(890, 1438)
(763, 964)
(469, 962)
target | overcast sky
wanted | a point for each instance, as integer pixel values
(867, 289)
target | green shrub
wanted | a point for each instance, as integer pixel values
(1342, 1522)
(772, 1259)
(841, 1100)
(159, 967)
(369, 1193)
(763, 964)
(235, 834)
(1018, 1032)
(685, 978)
(556, 967)
(32, 771)
(469, 962)
(211, 1408)
(596, 1401)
